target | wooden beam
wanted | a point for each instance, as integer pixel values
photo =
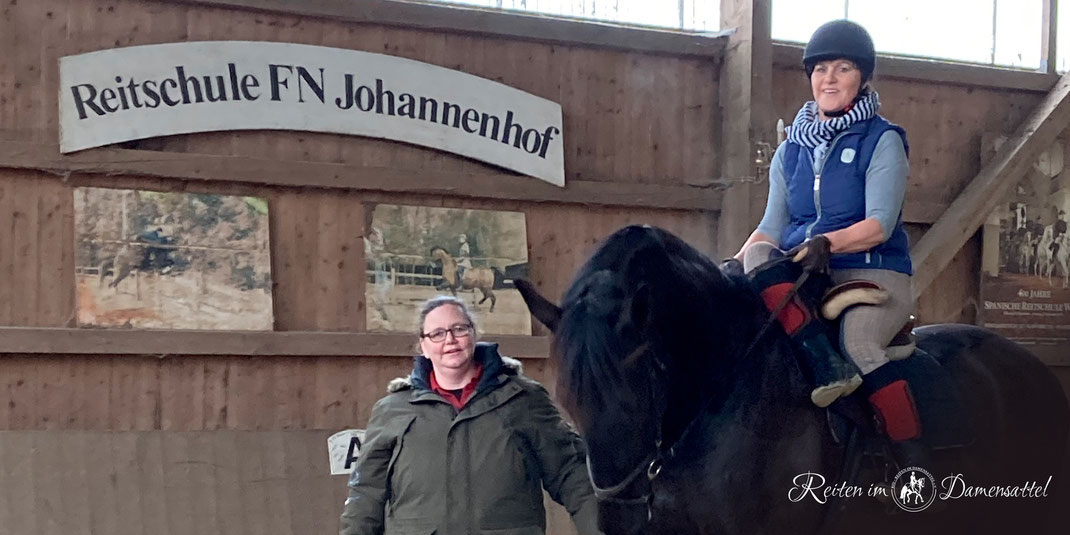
(938, 71)
(488, 185)
(941, 243)
(59, 341)
(746, 115)
(452, 18)
(922, 211)
(1048, 31)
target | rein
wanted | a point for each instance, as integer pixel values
(609, 494)
(653, 462)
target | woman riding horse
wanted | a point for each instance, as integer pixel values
(698, 418)
(453, 278)
(838, 183)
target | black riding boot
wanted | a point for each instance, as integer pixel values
(831, 374)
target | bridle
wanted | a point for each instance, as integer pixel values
(609, 494)
(653, 463)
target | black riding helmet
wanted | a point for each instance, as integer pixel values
(841, 39)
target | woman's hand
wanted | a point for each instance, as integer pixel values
(812, 254)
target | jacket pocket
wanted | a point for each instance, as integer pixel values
(399, 432)
(409, 526)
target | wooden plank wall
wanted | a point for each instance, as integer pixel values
(167, 483)
(629, 117)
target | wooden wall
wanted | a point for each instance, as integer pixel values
(633, 120)
(105, 420)
(627, 117)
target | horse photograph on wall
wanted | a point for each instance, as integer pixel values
(147, 259)
(416, 252)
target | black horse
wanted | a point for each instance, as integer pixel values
(698, 420)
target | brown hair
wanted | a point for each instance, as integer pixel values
(441, 300)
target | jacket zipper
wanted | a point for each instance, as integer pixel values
(817, 180)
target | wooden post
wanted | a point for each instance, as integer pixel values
(746, 115)
(935, 250)
(1048, 53)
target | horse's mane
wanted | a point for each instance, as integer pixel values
(697, 317)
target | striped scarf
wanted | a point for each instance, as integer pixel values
(809, 131)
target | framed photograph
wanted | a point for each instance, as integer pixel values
(147, 259)
(416, 252)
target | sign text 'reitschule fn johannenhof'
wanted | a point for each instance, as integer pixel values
(123, 94)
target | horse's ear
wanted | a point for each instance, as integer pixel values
(546, 312)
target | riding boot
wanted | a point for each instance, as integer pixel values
(831, 374)
(897, 416)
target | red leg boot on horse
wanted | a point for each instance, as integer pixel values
(897, 415)
(793, 291)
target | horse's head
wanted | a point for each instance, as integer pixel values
(636, 331)
(439, 254)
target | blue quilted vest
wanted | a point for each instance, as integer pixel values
(841, 192)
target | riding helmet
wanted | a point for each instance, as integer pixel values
(841, 39)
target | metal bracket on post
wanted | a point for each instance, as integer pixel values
(763, 157)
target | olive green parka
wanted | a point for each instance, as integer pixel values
(426, 467)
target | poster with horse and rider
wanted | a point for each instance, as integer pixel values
(1025, 283)
(415, 252)
(147, 259)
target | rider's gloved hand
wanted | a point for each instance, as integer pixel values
(812, 254)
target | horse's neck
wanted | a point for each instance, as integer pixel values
(754, 371)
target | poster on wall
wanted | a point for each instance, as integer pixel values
(416, 252)
(147, 259)
(1025, 280)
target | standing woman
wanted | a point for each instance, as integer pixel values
(465, 444)
(837, 185)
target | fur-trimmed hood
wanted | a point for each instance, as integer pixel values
(486, 353)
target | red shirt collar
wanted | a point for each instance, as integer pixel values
(466, 392)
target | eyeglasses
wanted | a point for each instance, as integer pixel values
(439, 335)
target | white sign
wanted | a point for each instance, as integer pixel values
(121, 94)
(343, 448)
